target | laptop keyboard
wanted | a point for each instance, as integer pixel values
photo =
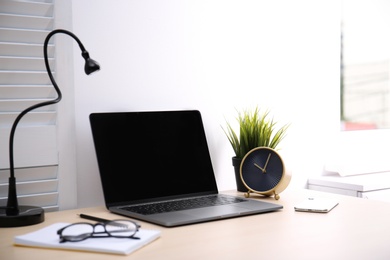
(176, 205)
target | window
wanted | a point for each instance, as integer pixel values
(365, 65)
(365, 97)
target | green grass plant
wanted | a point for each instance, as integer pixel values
(256, 129)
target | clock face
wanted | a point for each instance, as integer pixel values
(262, 169)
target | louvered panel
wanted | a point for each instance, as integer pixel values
(24, 78)
(33, 147)
(24, 26)
(31, 174)
(27, 8)
(27, 91)
(23, 36)
(18, 105)
(25, 22)
(31, 187)
(52, 208)
(39, 1)
(31, 119)
(24, 63)
(25, 49)
(40, 200)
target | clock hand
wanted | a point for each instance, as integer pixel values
(266, 163)
(259, 167)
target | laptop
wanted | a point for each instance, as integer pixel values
(151, 163)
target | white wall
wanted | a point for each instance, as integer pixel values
(215, 56)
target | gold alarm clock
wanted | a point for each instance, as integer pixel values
(262, 171)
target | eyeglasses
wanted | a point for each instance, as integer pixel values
(116, 228)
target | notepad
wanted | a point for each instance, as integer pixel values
(47, 238)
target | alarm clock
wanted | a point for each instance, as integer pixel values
(262, 171)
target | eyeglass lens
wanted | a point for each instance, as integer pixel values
(77, 232)
(121, 228)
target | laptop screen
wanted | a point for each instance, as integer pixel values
(147, 155)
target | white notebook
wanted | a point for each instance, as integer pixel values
(47, 238)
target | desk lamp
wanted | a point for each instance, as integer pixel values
(14, 215)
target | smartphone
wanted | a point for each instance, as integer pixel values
(320, 205)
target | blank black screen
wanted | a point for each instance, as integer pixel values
(144, 155)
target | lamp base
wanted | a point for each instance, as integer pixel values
(28, 215)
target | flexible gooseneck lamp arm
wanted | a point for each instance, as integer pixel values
(90, 66)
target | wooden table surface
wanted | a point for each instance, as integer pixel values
(355, 229)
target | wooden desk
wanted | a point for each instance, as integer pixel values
(355, 229)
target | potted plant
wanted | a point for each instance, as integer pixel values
(255, 130)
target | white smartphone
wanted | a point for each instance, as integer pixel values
(319, 205)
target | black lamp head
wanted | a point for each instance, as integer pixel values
(90, 64)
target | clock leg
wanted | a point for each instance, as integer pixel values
(247, 194)
(276, 196)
